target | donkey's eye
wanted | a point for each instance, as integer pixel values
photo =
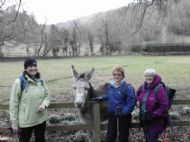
(86, 88)
(74, 87)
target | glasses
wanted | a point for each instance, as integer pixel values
(117, 74)
(149, 76)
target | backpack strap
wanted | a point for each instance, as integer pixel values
(129, 85)
(143, 105)
(141, 89)
(23, 82)
(125, 90)
(155, 91)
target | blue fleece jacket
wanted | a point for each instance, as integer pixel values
(122, 96)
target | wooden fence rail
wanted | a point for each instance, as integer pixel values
(95, 124)
(71, 105)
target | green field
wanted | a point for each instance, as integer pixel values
(175, 71)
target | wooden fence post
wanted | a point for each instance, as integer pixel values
(96, 122)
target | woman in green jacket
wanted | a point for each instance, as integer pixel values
(29, 99)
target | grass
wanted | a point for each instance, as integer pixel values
(174, 70)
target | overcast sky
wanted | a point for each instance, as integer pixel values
(55, 11)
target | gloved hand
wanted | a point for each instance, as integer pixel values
(148, 117)
(97, 99)
(118, 111)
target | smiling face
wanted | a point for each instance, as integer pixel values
(117, 76)
(149, 78)
(118, 73)
(149, 75)
(32, 70)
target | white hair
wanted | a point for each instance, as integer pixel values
(150, 72)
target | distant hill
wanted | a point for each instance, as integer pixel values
(160, 25)
(135, 27)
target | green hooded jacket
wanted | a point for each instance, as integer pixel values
(24, 105)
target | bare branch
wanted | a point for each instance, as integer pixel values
(146, 6)
(124, 17)
(2, 2)
(42, 39)
(12, 20)
(20, 1)
(143, 15)
(76, 26)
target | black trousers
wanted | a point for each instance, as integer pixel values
(39, 133)
(120, 123)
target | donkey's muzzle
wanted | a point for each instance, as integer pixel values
(79, 104)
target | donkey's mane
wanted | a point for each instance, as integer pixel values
(91, 91)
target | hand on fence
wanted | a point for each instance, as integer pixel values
(97, 99)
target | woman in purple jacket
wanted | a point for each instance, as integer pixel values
(153, 109)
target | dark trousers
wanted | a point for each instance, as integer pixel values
(121, 123)
(39, 133)
(152, 139)
(149, 138)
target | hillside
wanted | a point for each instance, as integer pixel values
(106, 33)
(165, 24)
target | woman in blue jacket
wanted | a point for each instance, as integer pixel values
(121, 101)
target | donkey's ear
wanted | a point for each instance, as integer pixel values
(88, 75)
(75, 74)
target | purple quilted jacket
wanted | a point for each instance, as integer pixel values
(157, 106)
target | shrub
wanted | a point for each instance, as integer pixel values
(135, 114)
(54, 118)
(79, 137)
(186, 110)
(68, 117)
(174, 115)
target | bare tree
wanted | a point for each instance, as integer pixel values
(78, 36)
(27, 32)
(46, 48)
(8, 16)
(65, 41)
(73, 42)
(110, 43)
(54, 40)
(91, 42)
(162, 7)
(104, 38)
(42, 40)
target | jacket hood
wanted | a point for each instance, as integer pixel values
(157, 80)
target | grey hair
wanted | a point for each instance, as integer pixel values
(150, 72)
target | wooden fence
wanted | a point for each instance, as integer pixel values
(95, 124)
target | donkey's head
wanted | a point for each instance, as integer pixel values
(81, 86)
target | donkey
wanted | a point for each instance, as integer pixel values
(84, 92)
